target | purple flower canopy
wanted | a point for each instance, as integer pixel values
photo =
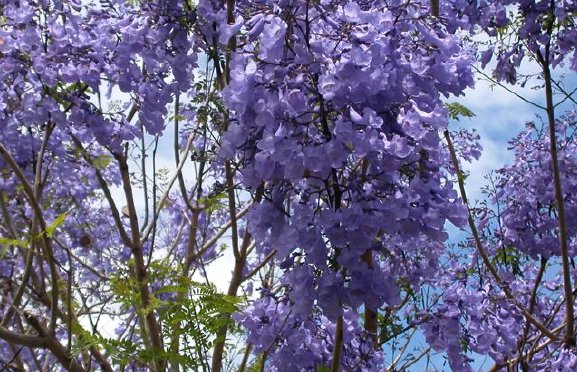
(330, 116)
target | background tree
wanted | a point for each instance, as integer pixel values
(100, 241)
(515, 300)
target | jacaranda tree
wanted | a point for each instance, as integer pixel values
(309, 142)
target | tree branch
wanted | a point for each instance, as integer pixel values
(481, 249)
(39, 216)
(140, 267)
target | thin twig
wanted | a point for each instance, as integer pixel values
(148, 230)
(257, 268)
(106, 190)
(533, 301)
(391, 366)
(493, 81)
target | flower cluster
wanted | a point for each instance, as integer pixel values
(526, 193)
(303, 342)
(335, 109)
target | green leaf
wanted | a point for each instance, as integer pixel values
(15, 242)
(213, 203)
(457, 110)
(101, 161)
(54, 225)
(509, 257)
